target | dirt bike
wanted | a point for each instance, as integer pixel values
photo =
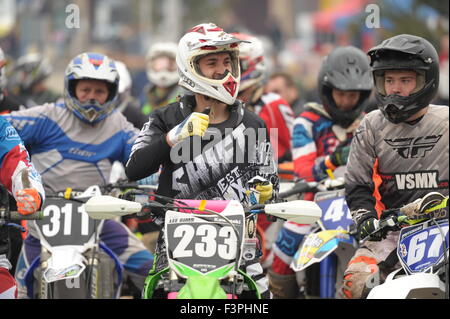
(331, 242)
(73, 263)
(422, 251)
(206, 242)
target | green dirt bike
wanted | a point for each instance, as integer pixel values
(207, 242)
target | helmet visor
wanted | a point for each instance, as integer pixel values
(401, 77)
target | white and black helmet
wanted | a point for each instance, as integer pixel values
(166, 77)
(405, 52)
(202, 40)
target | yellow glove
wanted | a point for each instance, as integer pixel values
(265, 192)
(195, 124)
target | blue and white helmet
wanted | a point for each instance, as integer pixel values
(91, 66)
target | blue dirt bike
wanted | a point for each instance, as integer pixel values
(331, 242)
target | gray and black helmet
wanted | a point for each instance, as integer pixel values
(405, 52)
(346, 69)
(27, 71)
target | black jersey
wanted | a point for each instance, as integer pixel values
(217, 166)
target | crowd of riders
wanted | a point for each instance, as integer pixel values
(215, 81)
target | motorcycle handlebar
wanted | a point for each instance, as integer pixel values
(130, 185)
(300, 187)
(14, 215)
(158, 209)
(388, 223)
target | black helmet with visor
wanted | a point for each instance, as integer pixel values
(346, 69)
(408, 53)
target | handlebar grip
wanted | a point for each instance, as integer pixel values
(13, 215)
(297, 189)
(285, 171)
(384, 225)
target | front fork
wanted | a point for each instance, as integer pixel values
(328, 273)
(151, 282)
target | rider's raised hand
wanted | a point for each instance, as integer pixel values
(195, 124)
(28, 201)
(265, 192)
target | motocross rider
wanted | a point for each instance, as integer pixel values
(26, 81)
(15, 169)
(208, 64)
(399, 153)
(162, 73)
(271, 107)
(20, 178)
(320, 141)
(73, 145)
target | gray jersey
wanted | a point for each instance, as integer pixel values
(391, 165)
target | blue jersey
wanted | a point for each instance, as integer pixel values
(315, 136)
(68, 152)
